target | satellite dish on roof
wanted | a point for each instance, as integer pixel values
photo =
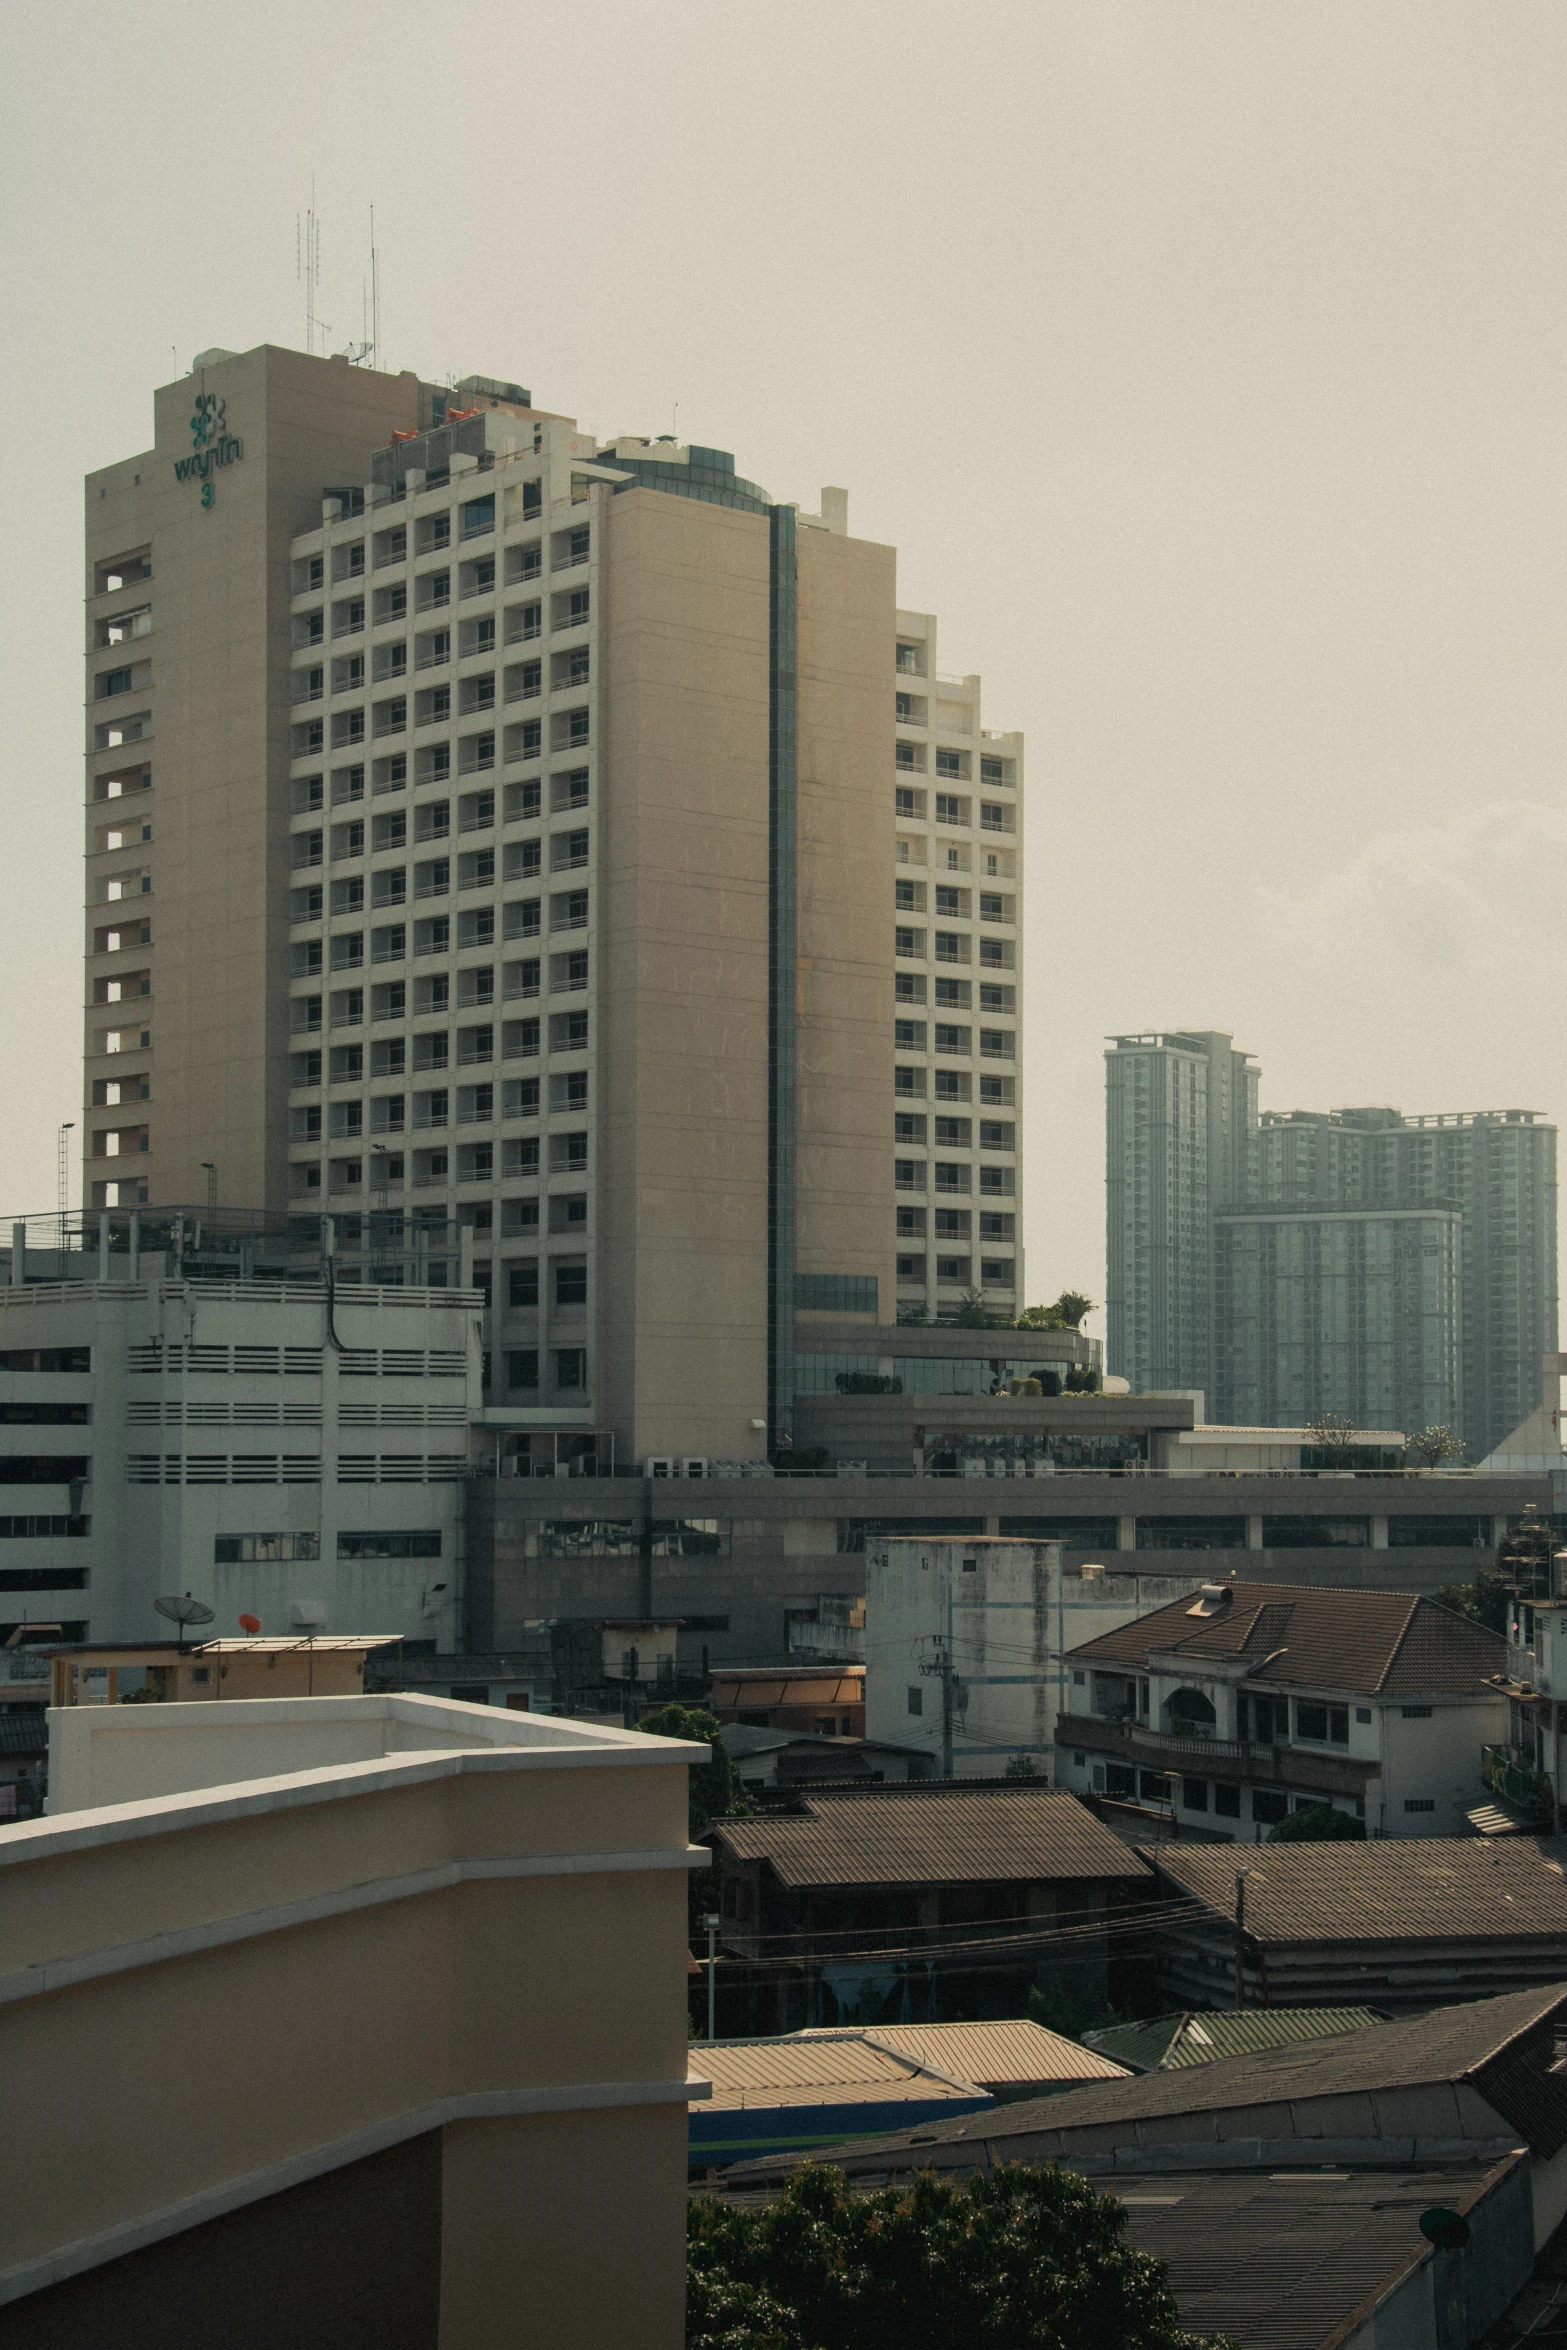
(181, 1609)
(251, 1624)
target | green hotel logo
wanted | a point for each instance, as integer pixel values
(211, 443)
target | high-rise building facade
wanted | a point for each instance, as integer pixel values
(1181, 1118)
(485, 820)
(1355, 1313)
(1464, 1298)
(957, 949)
(1398, 1272)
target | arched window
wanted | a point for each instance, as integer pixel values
(1190, 1709)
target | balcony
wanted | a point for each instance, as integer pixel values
(1516, 1783)
(1234, 1759)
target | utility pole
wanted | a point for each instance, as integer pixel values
(939, 1667)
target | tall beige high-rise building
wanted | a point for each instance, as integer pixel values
(485, 819)
(957, 944)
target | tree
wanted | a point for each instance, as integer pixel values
(1429, 1447)
(715, 1790)
(1332, 1434)
(1082, 1379)
(1484, 1601)
(1018, 2259)
(971, 1314)
(1067, 1313)
(1526, 1553)
(1317, 1823)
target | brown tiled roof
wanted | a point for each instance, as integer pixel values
(1428, 1888)
(1373, 1643)
(933, 1836)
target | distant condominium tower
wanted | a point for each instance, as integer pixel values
(1394, 1271)
(1398, 1271)
(1181, 1117)
(490, 821)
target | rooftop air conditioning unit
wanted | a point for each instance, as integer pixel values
(852, 1468)
(658, 1465)
(694, 1465)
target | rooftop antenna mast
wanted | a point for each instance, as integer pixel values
(368, 346)
(307, 265)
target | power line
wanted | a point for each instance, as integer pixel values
(1023, 1918)
(990, 1953)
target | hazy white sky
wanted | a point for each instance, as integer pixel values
(1204, 359)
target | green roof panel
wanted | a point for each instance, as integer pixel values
(1166, 2043)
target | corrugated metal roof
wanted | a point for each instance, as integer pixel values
(1001, 2054)
(933, 1836)
(755, 1690)
(1284, 2263)
(816, 2068)
(1451, 2044)
(1373, 1643)
(1436, 1888)
(1169, 2042)
(23, 1730)
(285, 1644)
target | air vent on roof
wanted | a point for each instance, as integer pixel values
(1211, 1600)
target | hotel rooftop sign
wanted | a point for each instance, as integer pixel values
(211, 444)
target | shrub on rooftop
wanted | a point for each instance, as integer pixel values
(1317, 1823)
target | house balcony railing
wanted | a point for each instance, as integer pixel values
(1239, 1760)
(1504, 1775)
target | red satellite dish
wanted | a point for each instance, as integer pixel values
(250, 1623)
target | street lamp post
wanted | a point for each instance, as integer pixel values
(712, 1922)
